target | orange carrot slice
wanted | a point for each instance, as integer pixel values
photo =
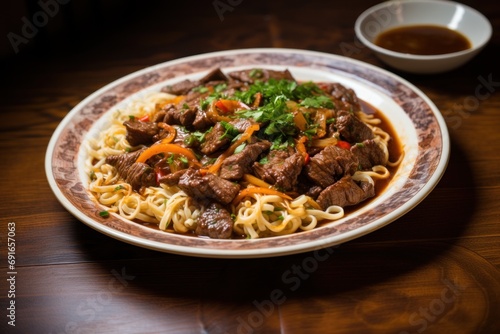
(258, 190)
(168, 148)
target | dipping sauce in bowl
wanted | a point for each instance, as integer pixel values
(423, 40)
(423, 34)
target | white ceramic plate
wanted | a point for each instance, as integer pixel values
(420, 127)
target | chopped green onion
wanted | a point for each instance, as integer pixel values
(104, 214)
(240, 148)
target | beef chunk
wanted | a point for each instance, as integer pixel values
(214, 75)
(314, 191)
(182, 114)
(180, 88)
(305, 186)
(137, 174)
(235, 166)
(344, 98)
(201, 121)
(330, 164)
(140, 175)
(281, 170)
(241, 124)
(187, 112)
(215, 222)
(159, 116)
(352, 128)
(122, 162)
(218, 139)
(250, 76)
(345, 192)
(168, 170)
(140, 133)
(367, 188)
(185, 86)
(172, 179)
(208, 186)
(369, 154)
(215, 140)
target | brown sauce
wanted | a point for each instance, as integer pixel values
(422, 40)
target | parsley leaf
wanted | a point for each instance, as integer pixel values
(275, 110)
(200, 89)
(220, 87)
(320, 101)
(231, 131)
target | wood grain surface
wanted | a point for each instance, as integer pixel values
(434, 270)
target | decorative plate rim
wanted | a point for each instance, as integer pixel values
(64, 146)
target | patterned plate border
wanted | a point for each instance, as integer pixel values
(61, 161)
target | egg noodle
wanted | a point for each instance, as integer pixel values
(256, 215)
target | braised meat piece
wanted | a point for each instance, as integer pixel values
(250, 76)
(306, 187)
(171, 179)
(214, 75)
(186, 112)
(122, 162)
(345, 192)
(140, 175)
(215, 140)
(314, 191)
(329, 165)
(215, 222)
(222, 133)
(235, 166)
(181, 114)
(343, 98)
(369, 154)
(180, 88)
(137, 174)
(352, 128)
(281, 170)
(241, 124)
(168, 169)
(185, 86)
(201, 121)
(210, 186)
(140, 133)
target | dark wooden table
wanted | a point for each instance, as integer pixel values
(434, 270)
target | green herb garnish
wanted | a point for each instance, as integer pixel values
(275, 111)
(231, 132)
(104, 214)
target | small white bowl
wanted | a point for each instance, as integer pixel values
(461, 18)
